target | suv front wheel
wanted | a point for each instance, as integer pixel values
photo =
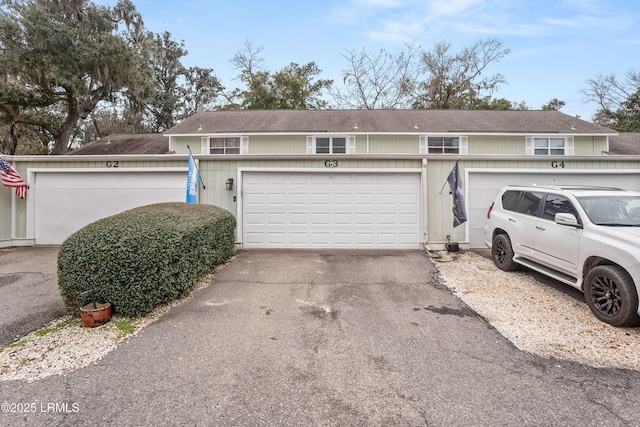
(502, 253)
(611, 295)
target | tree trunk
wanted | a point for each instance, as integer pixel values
(14, 139)
(61, 139)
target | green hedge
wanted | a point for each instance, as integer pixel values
(144, 257)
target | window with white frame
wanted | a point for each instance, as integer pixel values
(443, 145)
(331, 144)
(548, 146)
(225, 145)
(334, 145)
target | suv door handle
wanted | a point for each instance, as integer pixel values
(512, 220)
(539, 227)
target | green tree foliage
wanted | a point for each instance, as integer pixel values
(167, 95)
(294, 87)
(59, 59)
(627, 118)
(554, 104)
(619, 100)
(201, 90)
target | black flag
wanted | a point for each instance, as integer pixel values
(459, 214)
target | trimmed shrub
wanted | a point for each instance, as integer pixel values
(146, 256)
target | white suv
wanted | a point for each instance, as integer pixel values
(586, 237)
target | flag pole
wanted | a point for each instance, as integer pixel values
(196, 165)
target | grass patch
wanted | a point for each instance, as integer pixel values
(62, 325)
(124, 327)
(18, 344)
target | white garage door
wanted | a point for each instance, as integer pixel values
(67, 201)
(484, 185)
(331, 210)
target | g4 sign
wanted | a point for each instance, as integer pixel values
(557, 164)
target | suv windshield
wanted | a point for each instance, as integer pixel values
(612, 210)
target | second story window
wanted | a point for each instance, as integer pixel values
(443, 145)
(548, 146)
(227, 145)
(331, 145)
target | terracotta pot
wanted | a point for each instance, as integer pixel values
(95, 316)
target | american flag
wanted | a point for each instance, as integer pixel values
(11, 178)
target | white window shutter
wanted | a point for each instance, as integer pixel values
(464, 145)
(568, 149)
(529, 146)
(351, 144)
(244, 145)
(423, 144)
(204, 149)
(310, 145)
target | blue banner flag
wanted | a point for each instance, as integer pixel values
(192, 181)
(459, 214)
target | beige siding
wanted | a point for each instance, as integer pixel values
(497, 145)
(393, 144)
(440, 203)
(278, 144)
(215, 171)
(179, 144)
(590, 145)
(5, 213)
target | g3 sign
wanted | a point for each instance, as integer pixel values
(330, 163)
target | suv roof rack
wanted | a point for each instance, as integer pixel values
(589, 187)
(571, 187)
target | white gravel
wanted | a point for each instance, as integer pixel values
(535, 317)
(65, 345)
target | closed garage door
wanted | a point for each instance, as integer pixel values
(331, 210)
(484, 185)
(67, 201)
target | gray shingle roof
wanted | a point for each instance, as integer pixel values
(625, 143)
(392, 121)
(151, 143)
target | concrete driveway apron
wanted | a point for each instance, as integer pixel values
(327, 338)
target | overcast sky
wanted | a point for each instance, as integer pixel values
(556, 45)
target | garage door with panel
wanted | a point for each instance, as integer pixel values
(331, 210)
(484, 185)
(67, 201)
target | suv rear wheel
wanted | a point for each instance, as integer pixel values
(502, 253)
(611, 295)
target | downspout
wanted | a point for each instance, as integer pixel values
(425, 210)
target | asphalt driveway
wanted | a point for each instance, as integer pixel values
(326, 338)
(29, 293)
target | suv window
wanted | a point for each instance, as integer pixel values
(524, 202)
(555, 203)
(510, 200)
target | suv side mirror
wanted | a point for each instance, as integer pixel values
(567, 219)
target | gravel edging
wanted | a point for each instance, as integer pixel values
(535, 317)
(65, 345)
